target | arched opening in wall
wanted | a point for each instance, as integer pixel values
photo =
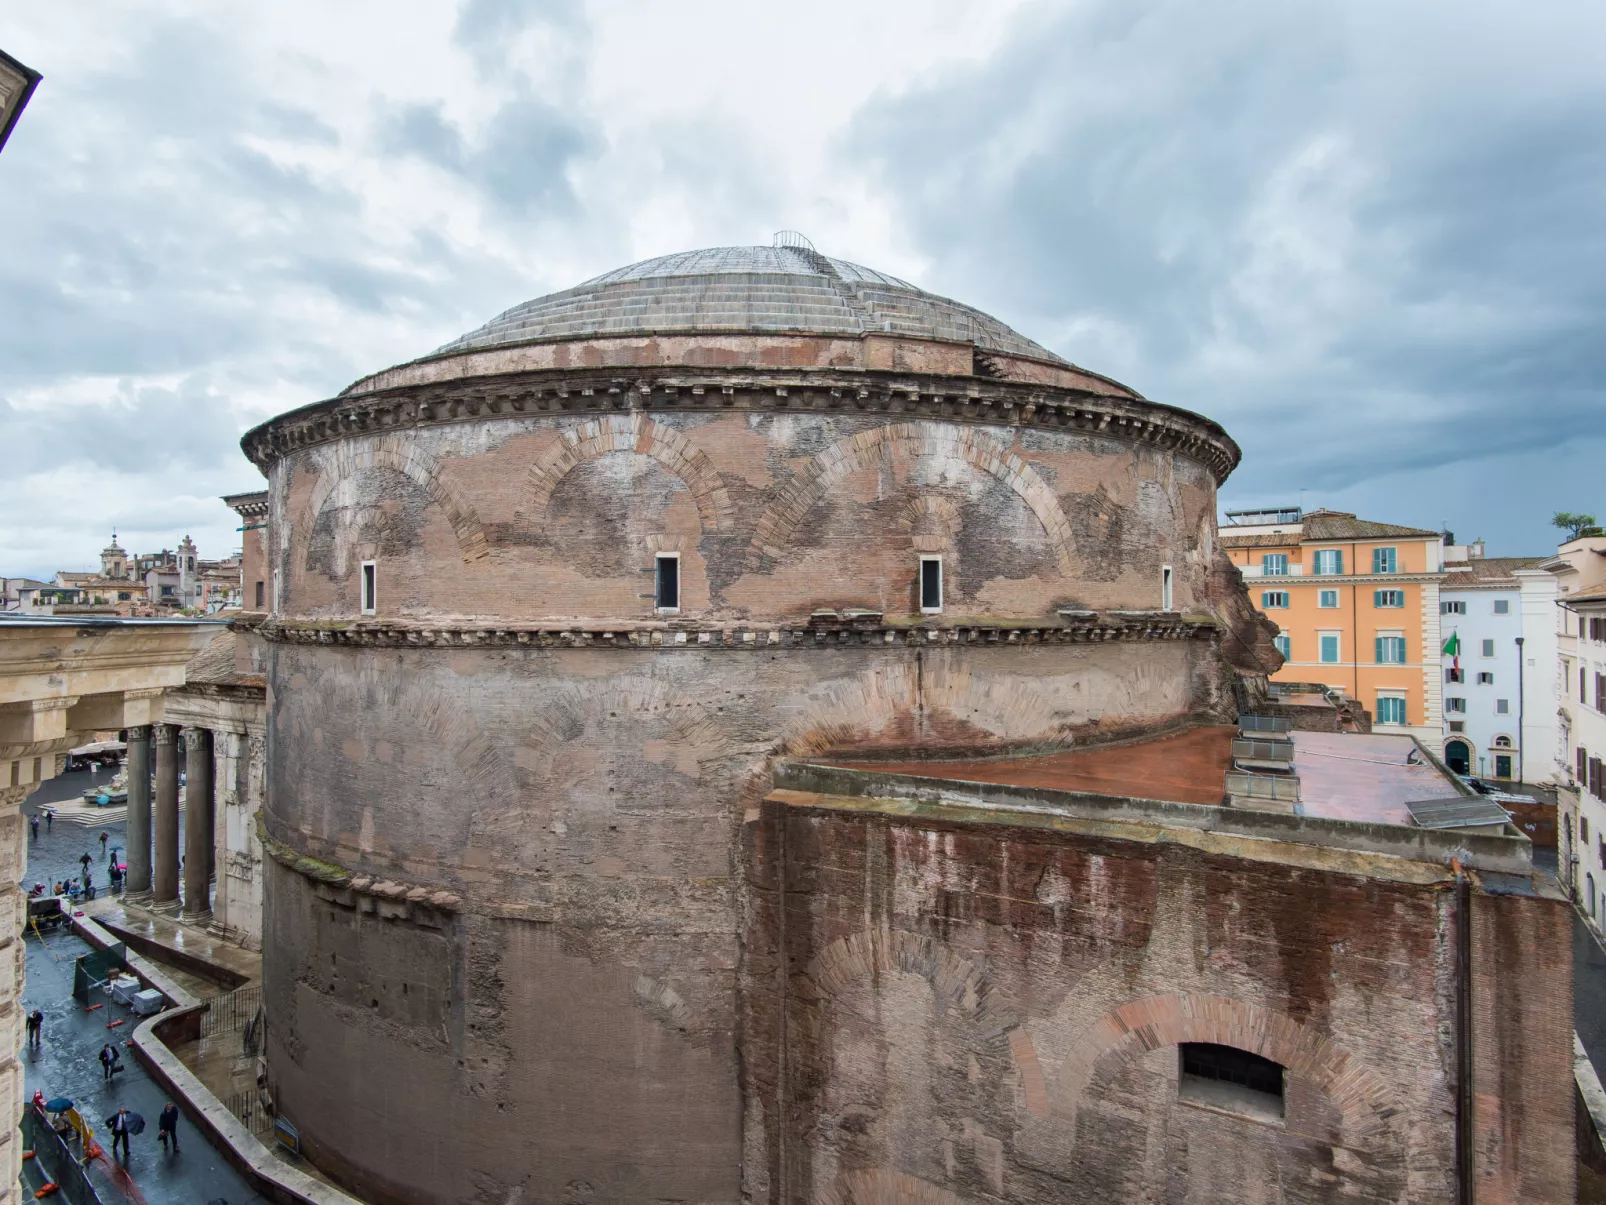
(1458, 756)
(1225, 1077)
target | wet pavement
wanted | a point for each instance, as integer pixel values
(1589, 992)
(66, 1064)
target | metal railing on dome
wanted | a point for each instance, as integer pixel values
(791, 238)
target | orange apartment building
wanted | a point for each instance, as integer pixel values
(1357, 603)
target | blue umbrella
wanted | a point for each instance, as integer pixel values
(60, 1105)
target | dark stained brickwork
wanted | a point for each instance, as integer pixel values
(994, 1014)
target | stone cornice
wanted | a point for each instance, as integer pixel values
(944, 399)
(380, 634)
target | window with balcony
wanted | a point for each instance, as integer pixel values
(1391, 650)
(1388, 598)
(1274, 564)
(1384, 560)
(1327, 599)
(1329, 561)
(1390, 709)
(1454, 606)
(1274, 600)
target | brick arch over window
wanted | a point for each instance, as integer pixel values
(1360, 1094)
(956, 983)
(399, 454)
(870, 449)
(644, 435)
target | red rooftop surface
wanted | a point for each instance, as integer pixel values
(1343, 776)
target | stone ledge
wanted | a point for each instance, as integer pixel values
(817, 631)
(966, 400)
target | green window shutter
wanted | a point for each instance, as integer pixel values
(1379, 653)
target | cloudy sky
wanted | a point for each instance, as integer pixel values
(1369, 238)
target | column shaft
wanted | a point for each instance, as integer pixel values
(139, 810)
(197, 821)
(164, 817)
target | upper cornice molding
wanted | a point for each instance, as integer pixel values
(945, 399)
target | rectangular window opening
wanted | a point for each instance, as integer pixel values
(1502, 606)
(1329, 561)
(370, 588)
(1235, 1080)
(1390, 709)
(1453, 607)
(261, 592)
(1273, 600)
(1165, 588)
(666, 585)
(1388, 598)
(1327, 599)
(1274, 564)
(1329, 648)
(1384, 560)
(1485, 679)
(931, 584)
(1284, 646)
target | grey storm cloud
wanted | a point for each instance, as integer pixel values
(1367, 238)
(150, 429)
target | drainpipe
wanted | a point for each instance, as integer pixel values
(1355, 622)
(1522, 706)
(1465, 1152)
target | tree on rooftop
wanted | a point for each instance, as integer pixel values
(1574, 525)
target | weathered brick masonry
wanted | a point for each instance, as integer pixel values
(993, 1012)
(523, 926)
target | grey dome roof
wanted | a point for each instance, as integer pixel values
(781, 288)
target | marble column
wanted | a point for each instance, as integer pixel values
(197, 823)
(139, 812)
(164, 818)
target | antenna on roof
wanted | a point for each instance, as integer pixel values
(791, 238)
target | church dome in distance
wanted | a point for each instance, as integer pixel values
(786, 288)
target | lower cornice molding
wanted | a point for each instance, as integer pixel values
(379, 634)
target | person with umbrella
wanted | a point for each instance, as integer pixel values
(122, 1124)
(167, 1126)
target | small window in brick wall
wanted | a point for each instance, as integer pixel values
(370, 588)
(1232, 1079)
(666, 585)
(930, 584)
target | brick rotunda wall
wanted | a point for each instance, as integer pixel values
(503, 926)
(945, 1011)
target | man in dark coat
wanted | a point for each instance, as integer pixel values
(118, 1125)
(167, 1126)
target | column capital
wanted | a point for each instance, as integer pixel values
(166, 734)
(139, 732)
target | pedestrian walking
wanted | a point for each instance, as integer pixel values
(36, 1026)
(113, 858)
(167, 1127)
(33, 825)
(104, 837)
(108, 1060)
(89, 886)
(118, 1125)
(85, 861)
(50, 818)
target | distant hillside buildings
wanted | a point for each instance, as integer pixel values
(147, 584)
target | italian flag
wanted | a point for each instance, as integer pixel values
(1452, 650)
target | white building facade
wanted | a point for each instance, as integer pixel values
(1580, 571)
(1499, 712)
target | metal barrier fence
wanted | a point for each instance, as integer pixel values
(1244, 749)
(230, 1012)
(252, 1113)
(57, 1159)
(1264, 723)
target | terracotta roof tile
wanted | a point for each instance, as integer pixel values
(1487, 573)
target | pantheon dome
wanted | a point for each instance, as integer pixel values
(549, 606)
